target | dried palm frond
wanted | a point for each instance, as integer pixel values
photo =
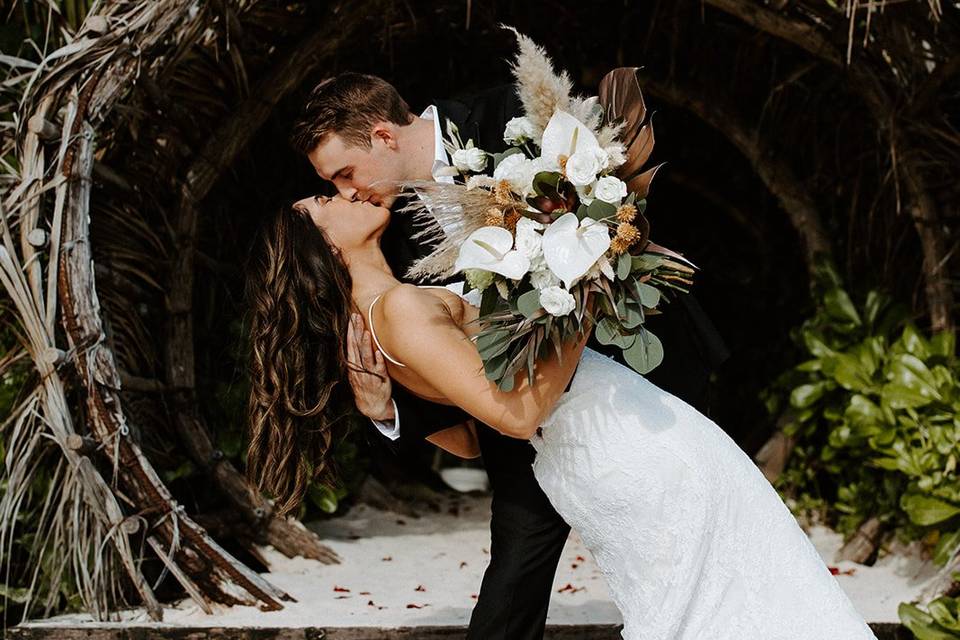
(445, 214)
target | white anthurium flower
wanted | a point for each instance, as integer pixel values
(566, 136)
(491, 249)
(572, 246)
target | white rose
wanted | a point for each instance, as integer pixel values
(528, 239)
(519, 130)
(587, 193)
(472, 159)
(582, 168)
(603, 158)
(543, 278)
(519, 172)
(557, 301)
(610, 189)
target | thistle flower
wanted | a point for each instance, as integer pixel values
(494, 217)
(503, 193)
(626, 213)
(627, 233)
(618, 246)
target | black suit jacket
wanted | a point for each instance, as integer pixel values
(693, 347)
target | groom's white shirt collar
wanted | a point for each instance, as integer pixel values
(441, 160)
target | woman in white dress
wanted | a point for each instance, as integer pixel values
(692, 539)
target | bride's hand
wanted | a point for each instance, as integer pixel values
(367, 373)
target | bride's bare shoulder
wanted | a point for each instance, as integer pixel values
(410, 302)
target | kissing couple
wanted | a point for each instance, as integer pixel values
(692, 539)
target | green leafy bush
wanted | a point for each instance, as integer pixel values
(941, 621)
(876, 414)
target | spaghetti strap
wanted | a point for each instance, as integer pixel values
(374, 333)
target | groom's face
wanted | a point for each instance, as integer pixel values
(358, 173)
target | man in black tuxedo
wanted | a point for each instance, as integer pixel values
(358, 133)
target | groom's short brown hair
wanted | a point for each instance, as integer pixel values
(349, 105)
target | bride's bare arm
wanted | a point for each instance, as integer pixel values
(417, 330)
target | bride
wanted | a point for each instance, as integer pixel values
(692, 539)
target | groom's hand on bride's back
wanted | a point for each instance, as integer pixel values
(367, 373)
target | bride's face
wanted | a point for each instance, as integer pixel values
(348, 225)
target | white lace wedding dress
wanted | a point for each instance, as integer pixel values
(693, 541)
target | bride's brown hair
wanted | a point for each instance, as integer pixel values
(299, 306)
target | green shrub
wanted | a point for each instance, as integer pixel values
(876, 413)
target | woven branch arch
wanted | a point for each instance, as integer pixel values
(52, 277)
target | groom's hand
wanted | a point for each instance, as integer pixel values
(367, 373)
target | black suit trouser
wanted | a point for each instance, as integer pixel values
(527, 538)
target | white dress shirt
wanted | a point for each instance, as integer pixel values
(441, 161)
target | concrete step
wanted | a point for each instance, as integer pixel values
(883, 630)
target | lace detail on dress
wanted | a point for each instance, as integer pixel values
(693, 541)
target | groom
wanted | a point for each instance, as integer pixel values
(359, 134)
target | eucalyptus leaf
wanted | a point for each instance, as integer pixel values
(608, 333)
(631, 314)
(529, 303)
(647, 262)
(598, 209)
(645, 354)
(624, 266)
(492, 343)
(499, 157)
(496, 366)
(649, 295)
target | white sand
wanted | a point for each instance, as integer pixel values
(401, 571)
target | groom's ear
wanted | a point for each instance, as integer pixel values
(384, 133)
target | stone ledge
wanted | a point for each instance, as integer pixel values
(883, 630)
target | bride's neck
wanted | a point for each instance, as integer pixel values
(371, 275)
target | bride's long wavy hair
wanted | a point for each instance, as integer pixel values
(299, 306)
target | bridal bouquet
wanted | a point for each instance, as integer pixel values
(560, 216)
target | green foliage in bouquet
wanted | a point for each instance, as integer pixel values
(876, 413)
(519, 330)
